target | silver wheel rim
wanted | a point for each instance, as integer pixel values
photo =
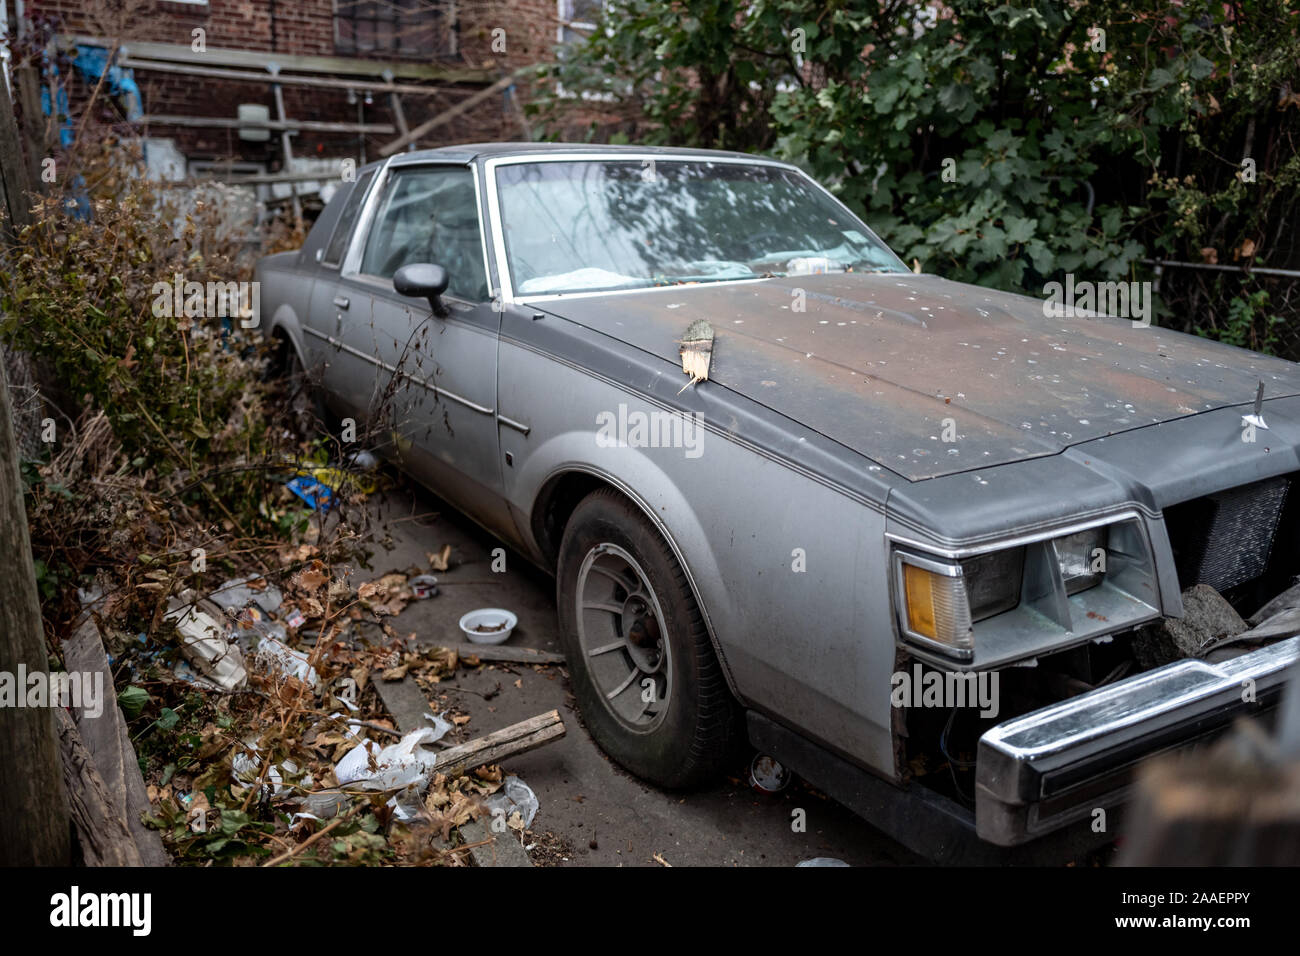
(623, 638)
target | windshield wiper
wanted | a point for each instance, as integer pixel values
(687, 278)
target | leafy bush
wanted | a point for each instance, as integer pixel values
(167, 425)
(79, 294)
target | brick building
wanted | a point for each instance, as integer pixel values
(214, 86)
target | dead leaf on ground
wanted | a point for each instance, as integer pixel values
(313, 578)
(442, 560)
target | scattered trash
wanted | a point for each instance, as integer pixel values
(91, 598)
(277, 657)
(696, 352)
(323, 804)
(488, 625)
(238, 593)
(295, 619)
(408, 804)
(767, 775)
(246, 769)
(821, 861)
(441, 727)
(252, 620)
(335, 478)
(394, 767)
(423, 586)
(363, 460)
(217, 662)
(319, 497)
(515, 796)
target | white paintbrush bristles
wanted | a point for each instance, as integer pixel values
(696, 351)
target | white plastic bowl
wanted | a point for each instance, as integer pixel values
(489, 616)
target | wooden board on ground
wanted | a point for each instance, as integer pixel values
(506, 653)
(106, 738)
(101, 829)
(507, 742)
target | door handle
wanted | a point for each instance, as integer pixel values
(341, 301)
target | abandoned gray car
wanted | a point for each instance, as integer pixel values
(959, 562)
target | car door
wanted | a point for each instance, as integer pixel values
(432, 387)
(328, 305)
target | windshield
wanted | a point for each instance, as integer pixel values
(624, 224)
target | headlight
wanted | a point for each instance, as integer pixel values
(934, 605)
(1028, 597)
(993, 581)
(939, 601)
(1081, 558)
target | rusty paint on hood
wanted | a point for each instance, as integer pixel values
(885, 363)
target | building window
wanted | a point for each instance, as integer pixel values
(578, 19)
(416, 28)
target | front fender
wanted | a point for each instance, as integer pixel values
(636, 474)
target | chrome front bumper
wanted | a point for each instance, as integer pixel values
(1053, 767)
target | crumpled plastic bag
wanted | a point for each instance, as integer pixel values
(277, 657)
(218, 661)
(234, 594)
(397, 766)
(441, 726)
(246, 770)
(514, 795)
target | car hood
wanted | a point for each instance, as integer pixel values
(928, 377)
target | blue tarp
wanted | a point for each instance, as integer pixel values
(91, 62)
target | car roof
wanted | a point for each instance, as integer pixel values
(471, 152)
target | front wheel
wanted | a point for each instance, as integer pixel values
(644, 673)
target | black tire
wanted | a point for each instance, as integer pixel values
(306, 398)
(684, 743)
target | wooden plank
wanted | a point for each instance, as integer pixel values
(1236, 803)
(248, 76)
(101, 831)
(221, 122)
(447, 115)
(107, 739)
(329, 65)
(507, 742)
(395, 104)
(502, 652)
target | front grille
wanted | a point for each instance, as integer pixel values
(1225, 539)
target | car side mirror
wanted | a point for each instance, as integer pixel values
(423, 280)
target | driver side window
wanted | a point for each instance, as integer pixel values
(430, 214)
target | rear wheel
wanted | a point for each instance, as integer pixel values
(644, 673)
